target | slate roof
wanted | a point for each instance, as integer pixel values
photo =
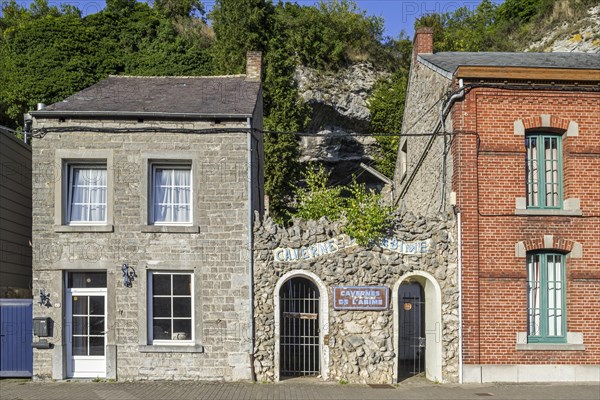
(450, 61)
(172, 96)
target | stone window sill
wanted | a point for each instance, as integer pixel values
(169, 229)
(553, 213)
(170, 349)
(551, 346)
(574, 343)
(84, 228)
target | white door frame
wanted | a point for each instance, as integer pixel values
(101, 371)
(323, 320)
(433, 323)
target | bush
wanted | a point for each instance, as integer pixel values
(367, 218)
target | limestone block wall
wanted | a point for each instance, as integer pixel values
(362, 344)
(215, 248)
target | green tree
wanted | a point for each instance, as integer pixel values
(367, 218)
(284, 111)
(318, 199)
(239, 26)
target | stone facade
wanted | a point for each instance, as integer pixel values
(361, 346)
(214, 248)
(421, 156)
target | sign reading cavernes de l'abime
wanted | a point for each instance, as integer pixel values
(290, 254)
(360, 297)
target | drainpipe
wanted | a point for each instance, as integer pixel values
(251, 252)
(444, 110)
(460, 327)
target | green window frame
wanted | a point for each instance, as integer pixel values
(543, 166)
(546, 298)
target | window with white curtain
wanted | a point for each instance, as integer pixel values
(546, 297)
(86, 194)
(171, 195)
(543, 171)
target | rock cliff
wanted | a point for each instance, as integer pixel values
(339, 107)
(582, 36)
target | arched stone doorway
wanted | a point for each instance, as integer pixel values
(301, 326)
(426, 296)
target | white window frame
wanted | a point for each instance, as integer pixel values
(151, 202)
(70, 166)
(150, 314)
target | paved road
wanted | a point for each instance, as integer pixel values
(12, 389)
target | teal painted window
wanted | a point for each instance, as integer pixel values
(546, 308)
(544, 171)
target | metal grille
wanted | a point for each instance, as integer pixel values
(411, 349)
(299, 336)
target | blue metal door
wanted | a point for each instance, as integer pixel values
(16, 354)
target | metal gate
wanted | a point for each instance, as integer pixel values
(299, 336)
(16, 354)
(411, 349)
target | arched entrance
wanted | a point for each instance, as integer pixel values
(417, 302)
(412, 341)
(301, 315)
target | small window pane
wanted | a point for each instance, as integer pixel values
(161, 284)
(87, 279)
(80, 305)
(97, 346)
(161, 306)
(182, 307)
(181, 284)
(96, 305)
(96, 325)
(183, 325)
(161, 329)
(80, 345)
(80, 325)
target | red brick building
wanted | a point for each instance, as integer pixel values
(509, 145)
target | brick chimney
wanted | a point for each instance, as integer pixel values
(253, 66)
(423, 43)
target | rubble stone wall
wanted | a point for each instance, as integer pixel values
(361, 343)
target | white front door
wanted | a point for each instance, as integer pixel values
(86, 332)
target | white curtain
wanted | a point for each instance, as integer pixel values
(172, 195)
(533, 288)
(532, 172)
(88, 194)
(551, 170)
(554, 273)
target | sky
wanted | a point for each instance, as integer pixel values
(398, 15)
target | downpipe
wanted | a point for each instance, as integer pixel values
(251, 253)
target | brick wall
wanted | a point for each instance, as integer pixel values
(488, 180)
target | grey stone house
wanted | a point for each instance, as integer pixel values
(144, 193)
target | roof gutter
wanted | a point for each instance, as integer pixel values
(135, 114)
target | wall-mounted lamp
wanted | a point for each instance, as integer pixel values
(129, 275)
(44, 298)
